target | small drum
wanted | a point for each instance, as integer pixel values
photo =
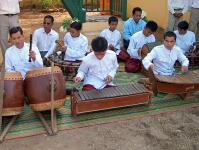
(69, 68)
(38, 88)
(148, 47)
(13, 99)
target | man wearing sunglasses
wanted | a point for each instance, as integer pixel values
(44, 38)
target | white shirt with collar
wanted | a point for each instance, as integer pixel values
(164, 59)
(194, 3)
(137, 41)
(178, 4)
(9, 6)
(76, 47)
(17, 60)
(45, 41)
(112, 37)
(185, 41)
(94, 71)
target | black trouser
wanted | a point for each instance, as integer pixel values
(126, 43)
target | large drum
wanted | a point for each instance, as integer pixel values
(38, 88)
(13, 99)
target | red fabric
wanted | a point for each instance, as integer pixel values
(133, 65)
(123, 56)
(88, 87)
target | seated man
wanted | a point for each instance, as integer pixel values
(17, 56)
(162, 58)
(44, 38)
(99, 67)
(185, 39)
(133, 25)
(137, 41)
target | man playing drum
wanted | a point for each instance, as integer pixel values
(17, 56)
(162, 58)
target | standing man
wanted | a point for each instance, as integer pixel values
(133, 25)
(194, 18)
(177, 8)
(9, 10)
(44, 38)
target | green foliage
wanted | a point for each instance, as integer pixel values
(66, 24)
(44, 4)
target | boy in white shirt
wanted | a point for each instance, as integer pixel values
(112, 35)
(99, 67)
(185, 39)
(162, 58)
(76, 44)
(137, 41)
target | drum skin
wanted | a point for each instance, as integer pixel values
(38, 88)
(13, 98)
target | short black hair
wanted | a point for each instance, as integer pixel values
(99, 44)
(112, 19)
(76, 25)
(169, 34)
(15, 30)
(152, 25)
(49, 17)
(183, 25)
(136, 9)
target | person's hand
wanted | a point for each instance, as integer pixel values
(152, 66)
(175, 15)
(108, 79)
(32, 55)
(62, 48)
(184, 68)
(111, 47)
(76, 79)
(180, 15)
(139, 52)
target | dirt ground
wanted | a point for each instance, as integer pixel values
(171, 131)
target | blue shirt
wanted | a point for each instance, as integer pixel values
(131, 27)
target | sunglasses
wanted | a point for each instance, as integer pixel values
(48, 23)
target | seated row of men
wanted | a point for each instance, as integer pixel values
(99, 67)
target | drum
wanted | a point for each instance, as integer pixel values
(148, 47)
(13, 99)
(69, 68)
(38, 88)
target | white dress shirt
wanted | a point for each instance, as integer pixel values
(17, 60)
(9, 6)
(185, 41)
(164, 59)
(45, 41)
(76, 47)
(112, 37)
(137, 41)
(194, 3)
(94, 71)
(178, 4)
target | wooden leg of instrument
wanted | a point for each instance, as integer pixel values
(54, 122)
(7, 128)
(182, 96)
(153, 81)
(45, 124)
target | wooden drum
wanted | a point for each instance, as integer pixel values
(13, 99)
(38, 88)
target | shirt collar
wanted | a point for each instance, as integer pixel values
(50, 33)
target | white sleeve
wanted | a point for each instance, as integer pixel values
(115, 66)
(147, 61)
(186, 7)
(38, 63)
(53, 46)
(83, 70)
(8, 63)
(183, 59)
(170, 6)
(132, 50)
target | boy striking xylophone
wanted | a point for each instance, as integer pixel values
(99, 67)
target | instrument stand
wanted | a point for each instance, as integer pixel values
(7, 128)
